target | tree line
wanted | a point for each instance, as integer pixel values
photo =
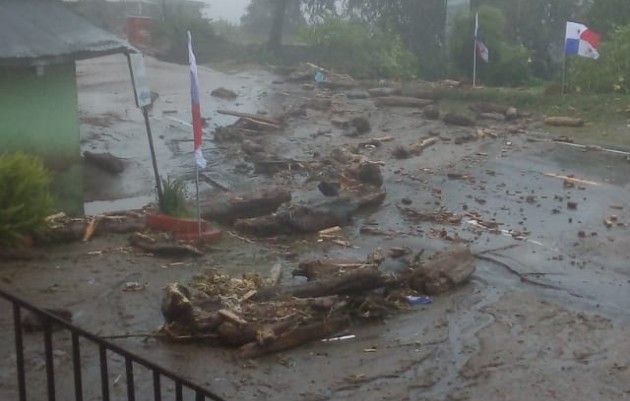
(525, 37)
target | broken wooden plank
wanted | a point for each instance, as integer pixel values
(572, 179)
(418, 147)
(256, 117)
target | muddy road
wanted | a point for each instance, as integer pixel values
(544, 317)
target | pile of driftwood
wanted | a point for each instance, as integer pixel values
(260, 317)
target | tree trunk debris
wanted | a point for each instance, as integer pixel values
(260, 317)
(564, 121)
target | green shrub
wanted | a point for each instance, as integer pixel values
(352, 47)
(25, 199)
(610, 73)
(174, 198)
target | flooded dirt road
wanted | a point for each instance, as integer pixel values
(544, 317)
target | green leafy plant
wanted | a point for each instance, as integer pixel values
(610, 73)
(357, 49)
(25, 199)
(174, 198)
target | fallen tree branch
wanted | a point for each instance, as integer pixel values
(256, 117)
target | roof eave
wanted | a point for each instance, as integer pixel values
(64, 58)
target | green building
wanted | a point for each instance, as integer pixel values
(39, 44)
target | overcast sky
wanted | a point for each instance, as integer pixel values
(230, 10)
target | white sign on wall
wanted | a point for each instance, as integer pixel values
(140, 80)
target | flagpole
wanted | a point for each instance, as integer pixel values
(475, 51)
(564, 73)
(475, 64)
(198, 206)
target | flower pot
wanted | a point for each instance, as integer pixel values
(206, 236)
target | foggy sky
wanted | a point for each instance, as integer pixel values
(230, 10)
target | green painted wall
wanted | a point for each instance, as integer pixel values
(39, 115)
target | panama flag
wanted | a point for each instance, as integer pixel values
(581, 41)
(482, 49)
(196, 106)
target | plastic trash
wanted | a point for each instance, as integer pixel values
(320, 77)
(421, 300)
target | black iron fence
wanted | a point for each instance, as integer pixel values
(105, 349)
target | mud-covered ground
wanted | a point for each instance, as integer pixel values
(545, 319)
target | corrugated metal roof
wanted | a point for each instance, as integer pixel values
(36, 32)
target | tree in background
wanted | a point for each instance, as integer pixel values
(274, 18)
(611, 72)
(509, 62)
(605, 15)
(359, 49)
(420, 24)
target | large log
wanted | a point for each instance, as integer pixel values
(383, 92)
(403, 101)
(228, 208)
(488, 107)
(349, 284)
(296, 337)
(421, 93)
(564, 121)
(304, 219)
(458, 119)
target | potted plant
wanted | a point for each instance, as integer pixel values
(174, 215)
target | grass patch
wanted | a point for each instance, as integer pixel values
(607, 115)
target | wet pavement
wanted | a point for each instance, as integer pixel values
(544, 316)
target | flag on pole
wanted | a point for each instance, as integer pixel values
(580, 40)
(196, 106)
(482, 49)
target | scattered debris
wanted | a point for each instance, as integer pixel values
(260, 318)
(440, 216)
